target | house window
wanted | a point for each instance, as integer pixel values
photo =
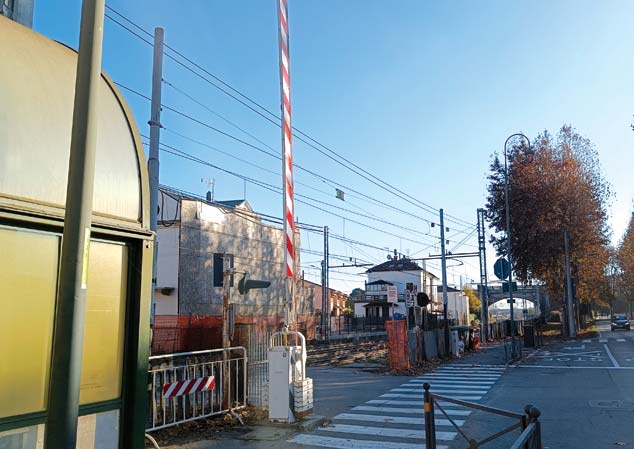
(409, 286)
(219, 268)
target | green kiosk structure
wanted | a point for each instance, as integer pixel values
(37, 80)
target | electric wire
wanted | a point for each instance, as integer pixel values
(273, 118)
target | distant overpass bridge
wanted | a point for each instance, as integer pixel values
(530, 293)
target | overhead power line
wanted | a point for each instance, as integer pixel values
(182, 154)
(269, 153)
(274, 119)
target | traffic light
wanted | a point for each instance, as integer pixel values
(246, 284)
(422, 299)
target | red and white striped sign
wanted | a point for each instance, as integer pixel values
(171, 390)
(287, 152)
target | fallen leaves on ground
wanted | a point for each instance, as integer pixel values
(207, 428)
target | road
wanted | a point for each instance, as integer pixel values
(584, 389)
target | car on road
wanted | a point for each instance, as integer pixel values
(620, 321)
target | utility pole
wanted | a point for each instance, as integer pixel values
(153, 160)
(227, 271)
(325, 290)
(569, 302)
(484, 293)
(445, 300)
(70, 308)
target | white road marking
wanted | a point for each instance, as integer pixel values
(468, 371)
(462, 378)
(574, 367)
(614, 362)
(467, 374)
(472, 369)
(414, 403)
(386, 432)
(452, 382)
(587, 341)
(394, 419)
(345, 443)
(451, 396)
(440, 391)
(445, 384)
(471, 365)
(620, 339)
(415, 411)
(603, 340)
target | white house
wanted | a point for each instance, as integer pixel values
(457, 305)
(404, 274)
(193, 237)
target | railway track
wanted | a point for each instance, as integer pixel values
(338, 353)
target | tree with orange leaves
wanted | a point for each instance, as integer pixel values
(555, 184)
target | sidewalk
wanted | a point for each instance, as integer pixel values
(489, 354)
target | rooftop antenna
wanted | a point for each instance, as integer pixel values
(211, 183)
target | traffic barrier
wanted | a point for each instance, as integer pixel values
(528, 422)
(397, 344)
(192, 385)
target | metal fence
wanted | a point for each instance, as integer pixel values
(174, 400)
(528, 423)
(258, 369)
(348, 325)
(258, 366)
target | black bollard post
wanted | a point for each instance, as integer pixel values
(430, 432)
(534, 414)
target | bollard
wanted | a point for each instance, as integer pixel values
(430, 432)
(525, 420)
(534, 414)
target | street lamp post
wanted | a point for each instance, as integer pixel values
(508, 234)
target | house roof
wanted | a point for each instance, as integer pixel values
(379, 282)
(232, 204)
(396, 265)
(332, 290)
(449, 289)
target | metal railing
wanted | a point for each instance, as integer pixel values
(228, 367)
(529, 438)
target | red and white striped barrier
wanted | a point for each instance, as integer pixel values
(171, 390)
(287, 135)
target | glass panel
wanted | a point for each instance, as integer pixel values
(28, 278)
(98, 431)
(31, 437)
(102, 362)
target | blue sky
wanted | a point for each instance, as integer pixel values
(419, 93)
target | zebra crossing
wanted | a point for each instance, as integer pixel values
(395, 419)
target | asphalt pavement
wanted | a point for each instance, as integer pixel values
(584, 389)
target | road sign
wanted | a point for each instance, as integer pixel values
(422, 299)
(409, 299)
(501, 268)
(392, 294)
(505, 287)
